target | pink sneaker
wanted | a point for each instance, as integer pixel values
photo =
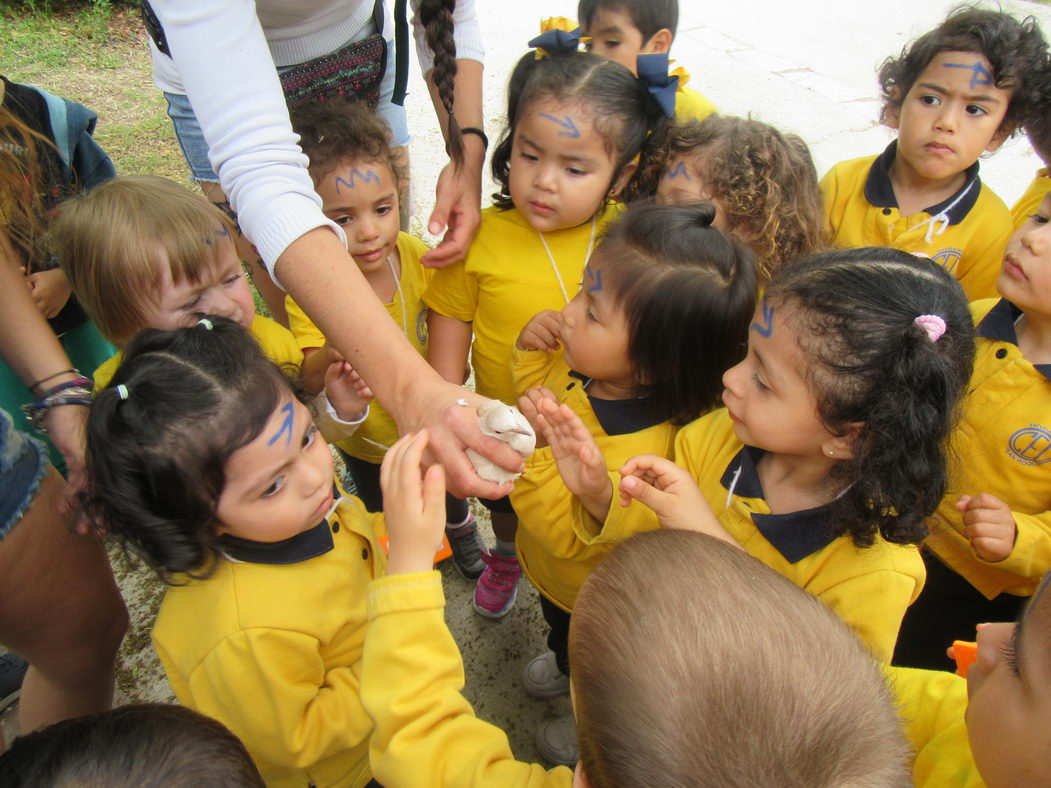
(495, 592)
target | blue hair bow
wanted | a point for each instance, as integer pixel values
(557, 42)
(653, 71)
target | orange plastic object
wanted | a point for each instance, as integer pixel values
(445, 551)
(965, 653)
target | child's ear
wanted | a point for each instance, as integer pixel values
(841, 447)
(892, 110)
(659, 42)
(625, 175)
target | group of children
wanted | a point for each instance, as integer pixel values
(703, 338)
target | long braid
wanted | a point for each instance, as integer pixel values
(437, 19)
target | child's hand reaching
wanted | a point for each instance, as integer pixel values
(989, 525)
(542, 332)
(50, 291)
(413, 509)
(671, 492)
(529, 406)
(577, 456)
(346, 390)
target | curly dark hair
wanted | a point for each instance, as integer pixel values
(870, 364)
(156, 460)
(621, 108)
(688, 293)
(338, 130)
(1015, 49)
(763, 178)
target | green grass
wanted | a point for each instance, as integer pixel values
(36, 42)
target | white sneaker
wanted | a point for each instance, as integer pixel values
(556, 741)
(542, 678)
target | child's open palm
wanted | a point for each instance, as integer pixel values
(989, 525)
(577, 456)
(413, 507)
(671, 492)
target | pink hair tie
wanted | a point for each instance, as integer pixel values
(933, 325)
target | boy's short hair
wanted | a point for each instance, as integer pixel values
(1016, 50)
(152, 745)
(690, 658)
(336, 131)
(648, 16)
(112, 241)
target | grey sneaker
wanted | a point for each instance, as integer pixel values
(556, 741)
(542, 678)
(467, 549)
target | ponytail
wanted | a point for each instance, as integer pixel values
(872, 364)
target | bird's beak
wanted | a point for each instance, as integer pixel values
(520, 431)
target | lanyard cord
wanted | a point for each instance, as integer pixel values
(551, 257)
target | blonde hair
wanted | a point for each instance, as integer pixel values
(112, 242)
(694, 664)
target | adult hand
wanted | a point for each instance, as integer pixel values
(67, 428)
(989, 525)
(453, 428)
(457, 207)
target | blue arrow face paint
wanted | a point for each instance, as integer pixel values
(678, 171)
(570, 127)
(594, 279)
(286, 426)
(765, 328)
(355, 175)
(980, 75)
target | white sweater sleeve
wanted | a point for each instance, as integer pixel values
(228, 73)
(467, 34)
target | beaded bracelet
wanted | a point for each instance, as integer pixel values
(74, 392)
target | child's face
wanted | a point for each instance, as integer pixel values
(615, 37)
(362, 198)
(683, 183)
(1009, 690)
(950, 116)
(595, 331)
(280, 484)
(560, 170)
(1025, 279)
(767, 396)
(222, 290)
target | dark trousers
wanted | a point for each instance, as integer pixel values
(558, 632)
(949, 608)
(366, 476)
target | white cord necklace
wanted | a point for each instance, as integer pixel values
(554, 265)
(401, 297)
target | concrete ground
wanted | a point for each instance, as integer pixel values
(807, 67)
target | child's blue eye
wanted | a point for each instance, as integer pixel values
(275, 487)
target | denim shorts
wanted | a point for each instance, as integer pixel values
(195, 149)
(23, 465)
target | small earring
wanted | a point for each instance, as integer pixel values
(830, 452)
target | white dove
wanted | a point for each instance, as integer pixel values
(506, 423)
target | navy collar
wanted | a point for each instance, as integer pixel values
(619, 416)
(301, 547)
(999, 324)
(880, 192)
(795, 535)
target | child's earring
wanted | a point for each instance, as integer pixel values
(830, 452)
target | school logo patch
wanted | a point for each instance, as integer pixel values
(948, 258)
(1030, 445)
(421, 326)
